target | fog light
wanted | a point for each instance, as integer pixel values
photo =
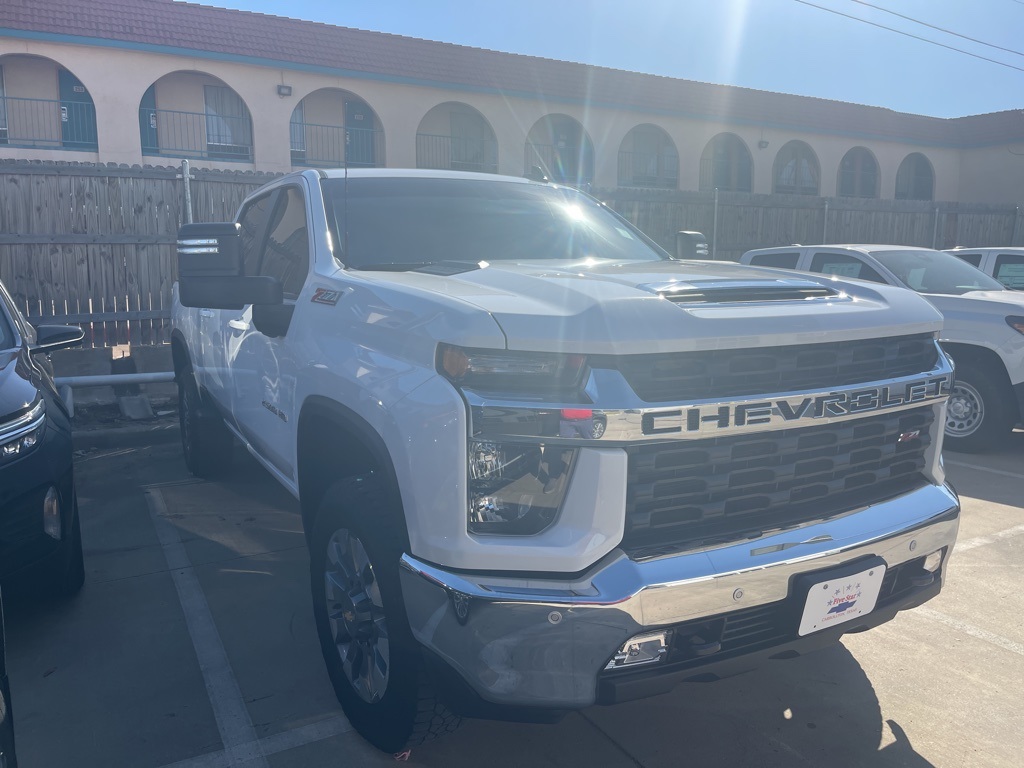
(51, 514)
(932, 562)
(649, 648)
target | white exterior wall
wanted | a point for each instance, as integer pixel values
(400, 111)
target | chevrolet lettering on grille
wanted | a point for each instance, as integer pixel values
(712, 418)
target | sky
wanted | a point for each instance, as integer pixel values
(774, 45)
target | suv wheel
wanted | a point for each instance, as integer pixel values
(373, 660)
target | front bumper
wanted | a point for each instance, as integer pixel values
(544, 642)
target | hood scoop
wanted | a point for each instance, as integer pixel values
(741, 291)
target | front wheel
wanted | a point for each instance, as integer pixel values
(205, 442)
(978, 416)
(373, 660)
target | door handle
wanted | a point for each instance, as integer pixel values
(206, 313)
(238, 325)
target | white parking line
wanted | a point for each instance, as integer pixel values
(992, 538)
(241, 746)
(969, 629)
(278, 742)
(992, 470)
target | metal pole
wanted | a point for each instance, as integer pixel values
(187, 178)
(935, 230)
(1016, 225)
(714, 230)
(824, 228)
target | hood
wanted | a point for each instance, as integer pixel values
(17, 392)
(642, 307)
(1005, 302)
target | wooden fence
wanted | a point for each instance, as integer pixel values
(94, 245)
(740, 222)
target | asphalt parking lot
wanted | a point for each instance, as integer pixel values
(192, 645)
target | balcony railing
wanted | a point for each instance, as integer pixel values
(726, 174)
(456, 153)
(333, 145)
(563, 164)
(648, 169)
(47, 123)
(174, 133)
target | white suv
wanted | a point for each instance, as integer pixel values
(983, 330)
(1004, 264)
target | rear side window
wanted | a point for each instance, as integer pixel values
(974, 259)
(1010, 270)
(844, 265)
(777, 260)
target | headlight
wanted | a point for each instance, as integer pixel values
(1016, 322)
(22, 435)
(516, 489)
(504, 371)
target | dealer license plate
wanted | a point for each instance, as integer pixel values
(839, 600)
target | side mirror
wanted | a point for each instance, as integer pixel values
(210, 270)
(691, 245)
(53, 337)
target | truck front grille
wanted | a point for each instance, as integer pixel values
(728, 373)
(726, 488)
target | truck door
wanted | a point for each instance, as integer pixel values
(215, 325)
(260, 354)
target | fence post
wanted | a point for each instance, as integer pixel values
(714, 230)
(824, 228)
(1016, 225)
(186, 177)
(935, 229)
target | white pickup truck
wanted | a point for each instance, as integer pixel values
(543, 465)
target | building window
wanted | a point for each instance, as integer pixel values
(915, 179)
(648, 158)
(858, 174)
(228, 127)
(796, 170)
(726, 165)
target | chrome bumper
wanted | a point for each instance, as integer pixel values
(542, 642)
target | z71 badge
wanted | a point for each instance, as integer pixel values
(326, 296)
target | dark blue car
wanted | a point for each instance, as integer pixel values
(40, 534)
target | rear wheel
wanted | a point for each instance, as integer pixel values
(205, 441)
(978, 415)
(373, 660)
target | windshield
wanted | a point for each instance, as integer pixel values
(403, 223)
(936, 272)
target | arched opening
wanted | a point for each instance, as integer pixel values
(44, 106)
(331, 127)
(558, 145)
(858, 174)
(726, 164)
(797, 171)
(915, 178)
(456, 137)
(648, 158)
(195, 115)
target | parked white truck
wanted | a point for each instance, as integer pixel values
(541, 464)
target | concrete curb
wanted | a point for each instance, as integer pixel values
(128, 436)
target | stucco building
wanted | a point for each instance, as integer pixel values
(152, 81)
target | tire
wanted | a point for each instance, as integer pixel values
(358, 538)
(205, 442)
(978, 415)
(72, 580)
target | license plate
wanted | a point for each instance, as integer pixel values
(841, 599)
